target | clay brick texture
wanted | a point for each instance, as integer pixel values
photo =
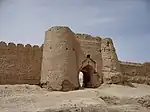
(57, 63)
(136, 72)
(20, 64)
(64, 54)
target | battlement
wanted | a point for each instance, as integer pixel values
(146, 64)
(131, 63)
(58, 61)
(20, 63)
(87, 37)
(136, 72)
(13, 46)
(58, 28)
(135, 64)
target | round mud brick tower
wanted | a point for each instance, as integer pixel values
(59, 67)
(110, 63)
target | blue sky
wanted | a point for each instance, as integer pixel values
(127, 22)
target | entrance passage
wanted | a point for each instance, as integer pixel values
(85, 76)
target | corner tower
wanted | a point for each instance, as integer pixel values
(59, 65)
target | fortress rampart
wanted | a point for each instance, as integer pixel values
(56, 64)
(20, 64)
(136, 72)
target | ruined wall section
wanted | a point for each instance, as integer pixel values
(20, 64)
(136, 72)
(110, 64)
(59, 67)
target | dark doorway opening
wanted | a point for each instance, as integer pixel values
(86, 77)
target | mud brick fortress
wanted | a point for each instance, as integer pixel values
(56, 64)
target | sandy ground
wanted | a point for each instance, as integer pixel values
(107, 98)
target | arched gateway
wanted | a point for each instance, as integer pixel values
(90, 77)
(65, 54)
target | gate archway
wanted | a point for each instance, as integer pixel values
(87, 73)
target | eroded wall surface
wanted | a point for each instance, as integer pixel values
(89, 45)
(110, 64)
(60, 62)
(136, 72)
(59, 65)
(20, 64)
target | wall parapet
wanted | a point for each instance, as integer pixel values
(87, 37)
(13, 46)
(131, 63)
(136, 72)
(20, 64)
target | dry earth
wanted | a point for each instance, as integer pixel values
(107, 98)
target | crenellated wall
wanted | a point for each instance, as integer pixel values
(59, 60)
(20, 64)
(136, 72)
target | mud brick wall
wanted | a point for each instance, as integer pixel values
(59, 60)
(92, 46)
(20, 64)
(136, 72)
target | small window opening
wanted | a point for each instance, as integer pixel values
(88, 56)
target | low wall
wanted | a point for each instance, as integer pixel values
(136, 72)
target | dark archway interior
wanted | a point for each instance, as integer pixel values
(87, 73)
(86, 79)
